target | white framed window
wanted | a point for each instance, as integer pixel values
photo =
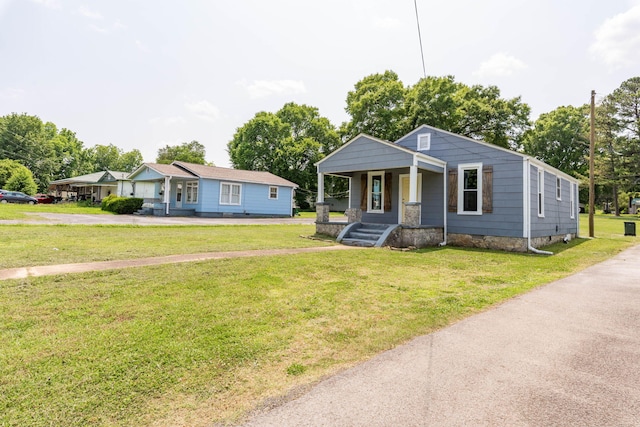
(541, 192)
(558, 188)
(424, 141)
(273, 193)
(230, 194)
(572, 201)
(470, 189)
(192, 192)
(375, 203)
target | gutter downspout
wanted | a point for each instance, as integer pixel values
(527, 203)
(445, 203)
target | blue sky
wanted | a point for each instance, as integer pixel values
(143, 74)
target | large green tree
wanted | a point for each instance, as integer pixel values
(190, 152)
(73, 158)
(110, 157)
(618, 142)
(24, 138)
(376, 107)
(623, 109)
(560, 138)
(381, 106)
(287, 143)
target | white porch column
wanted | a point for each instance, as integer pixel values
(320, 188)
(413, 184)
(167, 196)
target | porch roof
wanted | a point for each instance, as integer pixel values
(95, 178)
(366, 152)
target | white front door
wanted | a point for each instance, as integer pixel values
(403, 192)
(179, 195)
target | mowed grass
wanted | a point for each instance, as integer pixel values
(14, 211)
(192, 344)
(25, 245)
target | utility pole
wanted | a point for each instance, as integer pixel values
(592, 152)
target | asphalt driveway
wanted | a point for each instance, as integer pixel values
(566, 354)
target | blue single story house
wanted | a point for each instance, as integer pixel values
(185, 189)
(434, 187)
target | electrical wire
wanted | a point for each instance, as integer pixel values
(424, 68)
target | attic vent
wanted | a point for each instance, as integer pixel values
(424, 141)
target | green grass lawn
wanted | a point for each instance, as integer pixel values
(11, 211)
(26, 245)
(197, 343)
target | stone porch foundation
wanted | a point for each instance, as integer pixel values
(510, 244)
(422, 237)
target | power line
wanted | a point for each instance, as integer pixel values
(424, 68)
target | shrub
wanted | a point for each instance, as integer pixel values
(121, 205)
(22, 180)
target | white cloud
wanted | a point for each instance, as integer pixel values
(168, 121)
(98, 29)
(264, 88)
(51, 4)
(88, 13)
(617, 40)
(204, 110)
(142, 47)
(499, 65)
(11, 93)
(386, 23)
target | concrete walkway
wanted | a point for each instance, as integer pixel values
(47, 270)
(566, 354)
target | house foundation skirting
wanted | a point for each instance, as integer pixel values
(332, 229)
(417, 237)
(511, 244)
(421, 237)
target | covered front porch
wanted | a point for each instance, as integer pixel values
(400, 191)
(165, 189)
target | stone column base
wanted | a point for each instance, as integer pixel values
(412, 211)
(354, 215)
(322, 212)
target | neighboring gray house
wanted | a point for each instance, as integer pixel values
(434, 187)
(94, 186)
(185, 189)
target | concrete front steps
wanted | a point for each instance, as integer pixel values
(368, 235)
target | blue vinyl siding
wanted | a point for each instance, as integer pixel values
(365, 154)
(254, 199)
(557, 218)
(148, 175)
(432, 213)
(506, 220)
